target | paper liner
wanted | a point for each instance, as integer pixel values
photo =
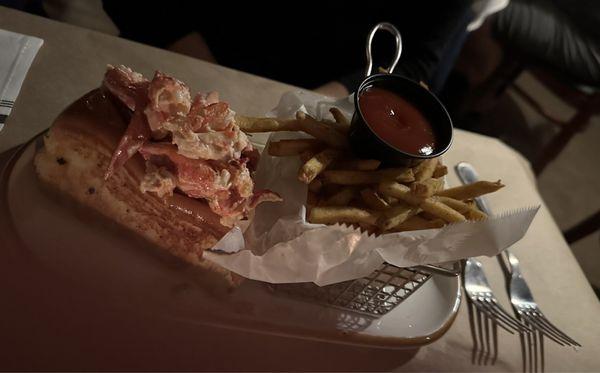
(279, 246)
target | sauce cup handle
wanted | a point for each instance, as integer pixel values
(392, 30)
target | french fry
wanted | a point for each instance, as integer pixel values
(470, 191)
(425, 169)
(341, 198)
(395, 215)
(440, 171)
(251, 124)
(358, 164)
(307, 154)
(370, 229)
(470, 212)
(441, 210)
(373, 200)
(400, 191)
(283, 148)
(385, 202)
(339, 214)
(426, 188)
(315, 185)
(340, 128)
(417, 223)
(427, 204)
(321, 131)
(340, 118)
(398, 174)
(389, 199)
(471, 203)
(345, 177)
(316, 165)
(427, 216)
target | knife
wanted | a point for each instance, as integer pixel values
(467, 175)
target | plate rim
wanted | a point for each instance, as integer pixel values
(12, 156)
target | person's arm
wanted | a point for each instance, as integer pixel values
(427, 28)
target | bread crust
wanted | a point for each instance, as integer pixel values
(77, 150)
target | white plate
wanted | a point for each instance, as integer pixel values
(120, 268)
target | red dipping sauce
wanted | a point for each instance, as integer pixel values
(397, 121)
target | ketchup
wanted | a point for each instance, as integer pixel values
(397, 121)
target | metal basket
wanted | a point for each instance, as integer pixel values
(374, 295)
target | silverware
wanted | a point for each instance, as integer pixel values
(527, 310)
(525, 306)
(485, 313)
(484, 310)
(530, 314)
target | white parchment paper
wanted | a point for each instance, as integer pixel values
(279, 246)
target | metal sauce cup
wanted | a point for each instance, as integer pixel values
(366, 143)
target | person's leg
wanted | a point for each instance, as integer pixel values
(451, 52)
(478, 60)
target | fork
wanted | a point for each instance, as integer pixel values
(525, 306)
(485, 313)
(521, 298)
(530, 314)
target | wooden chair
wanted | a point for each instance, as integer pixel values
(583, 229)
(584, 99)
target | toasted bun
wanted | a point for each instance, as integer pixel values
(77, 150)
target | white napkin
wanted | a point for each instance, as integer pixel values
(17, 51)
(280, 246)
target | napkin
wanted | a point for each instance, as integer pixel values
(280, 246)
(17, 53)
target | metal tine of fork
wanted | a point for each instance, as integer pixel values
(535, 351)
(494, 307)
(537, 360)
(521, 327)
(534, 341)
(522, 336)
(542, 359)
(488, 348)
(471, 310)
(484, 307)
(550, 333)
(487, 326)
(529, 351)
(480, 334)
(543, 329)
(526, 346)
(495, 340)
(505, 317)
(539, 337)
(543, 319)
(504, 324)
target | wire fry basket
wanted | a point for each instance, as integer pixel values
(373, 295)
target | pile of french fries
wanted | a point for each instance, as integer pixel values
(360, 192)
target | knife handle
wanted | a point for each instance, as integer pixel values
(467, 175)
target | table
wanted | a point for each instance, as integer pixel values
(81, 335)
